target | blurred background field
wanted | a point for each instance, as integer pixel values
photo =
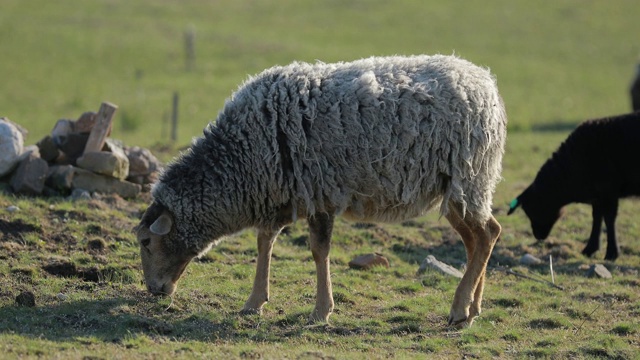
(557, 62)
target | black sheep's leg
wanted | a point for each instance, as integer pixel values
(610, 213)
(594, 239)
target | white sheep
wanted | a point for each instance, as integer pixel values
(378, 139)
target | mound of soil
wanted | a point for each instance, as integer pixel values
(26, 298)
(14, 229)
(61, 268)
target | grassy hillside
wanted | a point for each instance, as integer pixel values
(556, 61)
(80, 262)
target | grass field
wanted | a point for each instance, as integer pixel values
(557, 63)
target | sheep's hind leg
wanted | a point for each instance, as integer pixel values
(460, 307)
(610, 214)
(260, 293)
(487, 236)
(479, 240)
(320, 228)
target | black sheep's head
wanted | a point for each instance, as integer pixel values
(542, 211)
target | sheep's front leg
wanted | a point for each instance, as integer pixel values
(260, 293)
(320, 227)
(594, 239)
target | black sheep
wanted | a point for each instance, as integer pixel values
(597, 164)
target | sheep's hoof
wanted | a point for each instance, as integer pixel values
(461, 323)
(461, 319)
(316, 318)
(313, 321)
(251, 311)
(612, 255)
(588, 252)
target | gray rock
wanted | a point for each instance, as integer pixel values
(140, 179)
(367, 261)
(117, 148)
(79, 194)
(72, 145)
(11, 146)
(63, 159)
(113, 145)
(30, 176)
(599, 270)
(48, 149)
(114, 164)
(141, 161)
(60, 177)
(85, 122)
(22, 130)
(528, 259)
(90, 181)
(433, 263)
(62, 128)
(31, 150)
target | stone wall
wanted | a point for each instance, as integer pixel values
(59, 163)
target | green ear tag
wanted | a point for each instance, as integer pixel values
(513, 203)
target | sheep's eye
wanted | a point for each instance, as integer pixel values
(145, 242)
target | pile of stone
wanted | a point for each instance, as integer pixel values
(76, 155)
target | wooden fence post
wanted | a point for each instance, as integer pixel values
(174, 118)
(190, 47)
(102, 127)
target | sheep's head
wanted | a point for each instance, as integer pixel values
(542, 212)
(163, 262)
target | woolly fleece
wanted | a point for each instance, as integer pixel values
(378, 139)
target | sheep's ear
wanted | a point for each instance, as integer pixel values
(513, 205)
(162, 225)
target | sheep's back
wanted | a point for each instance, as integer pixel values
(597, 155)
(377, 139)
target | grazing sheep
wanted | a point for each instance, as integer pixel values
(594, 165)
(379, 139)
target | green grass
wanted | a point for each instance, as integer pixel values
(101, 309)
(557, 63)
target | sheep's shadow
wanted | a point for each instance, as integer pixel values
(108, 320)
(117, 321)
